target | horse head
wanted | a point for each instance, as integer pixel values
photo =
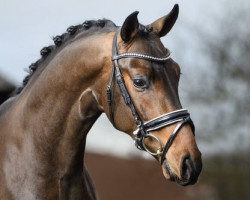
(146, 104)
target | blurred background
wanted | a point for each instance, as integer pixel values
(210, 41)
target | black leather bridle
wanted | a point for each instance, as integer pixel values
(181, 116)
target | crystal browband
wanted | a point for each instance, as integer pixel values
(141, 56)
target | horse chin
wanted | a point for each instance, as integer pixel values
(169, 175)
(166, 173)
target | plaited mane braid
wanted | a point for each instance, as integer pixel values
(59, 40)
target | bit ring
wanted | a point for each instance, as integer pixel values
(159, 151)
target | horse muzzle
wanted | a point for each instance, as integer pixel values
(189, 171)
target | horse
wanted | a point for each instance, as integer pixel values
(95, 67)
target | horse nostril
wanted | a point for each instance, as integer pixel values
(187, 169)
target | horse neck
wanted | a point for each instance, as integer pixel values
(61, 105)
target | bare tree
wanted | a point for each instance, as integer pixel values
(222, 96)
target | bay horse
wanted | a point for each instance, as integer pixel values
(125, 72)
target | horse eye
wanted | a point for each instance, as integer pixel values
(139, 83)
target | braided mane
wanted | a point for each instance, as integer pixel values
(59, 40)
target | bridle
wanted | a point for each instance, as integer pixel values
(181, 116)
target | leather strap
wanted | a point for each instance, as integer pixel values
(172, 137)
(122, 86)
(109, 96)
(165, 120)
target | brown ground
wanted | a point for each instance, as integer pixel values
(134, 179)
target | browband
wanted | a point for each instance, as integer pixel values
(140, 56)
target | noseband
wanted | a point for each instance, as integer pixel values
(181, 116)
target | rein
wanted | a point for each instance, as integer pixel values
(181, 116)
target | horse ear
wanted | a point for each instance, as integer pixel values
(130, 27)
(163, 25)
